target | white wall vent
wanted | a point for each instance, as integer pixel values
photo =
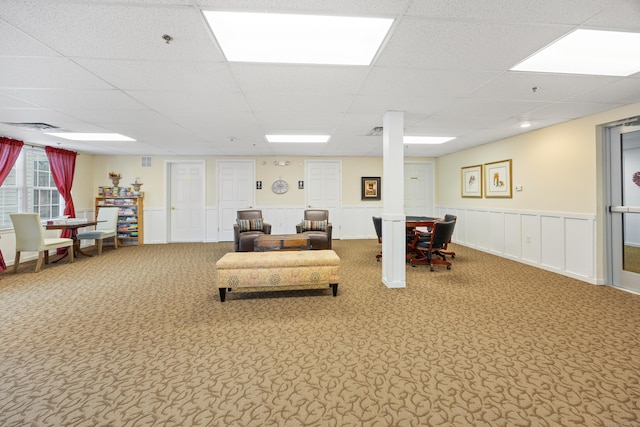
(145, 161)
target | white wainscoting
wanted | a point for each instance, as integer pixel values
(283, 219)
(155, 225)
(564, 243)
(357, 222)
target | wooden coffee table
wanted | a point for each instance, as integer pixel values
(281, 242)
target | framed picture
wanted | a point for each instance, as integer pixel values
(370, 188)
(497, 176)
(471, 181)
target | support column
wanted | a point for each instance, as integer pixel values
(393, 219)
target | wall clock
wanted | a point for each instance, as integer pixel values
(280, 186)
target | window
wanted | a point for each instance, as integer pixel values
(29, 187)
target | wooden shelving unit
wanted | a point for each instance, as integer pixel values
(130, 217)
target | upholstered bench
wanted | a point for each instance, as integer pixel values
(277, 270)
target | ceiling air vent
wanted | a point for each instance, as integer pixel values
(376, 131)
(34, 126)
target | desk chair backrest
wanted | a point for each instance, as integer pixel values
(29, 232)
(441, 236)
(110, 217)
(377, 224)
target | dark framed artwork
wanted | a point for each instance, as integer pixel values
(371, 188)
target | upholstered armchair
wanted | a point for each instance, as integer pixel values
(247, 228)
(317, 227)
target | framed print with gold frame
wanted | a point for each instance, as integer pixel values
(471, 181)
(497, 177)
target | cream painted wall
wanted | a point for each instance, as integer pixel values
(153, 178)
(559, 168)
(556, 166)
(83, 190)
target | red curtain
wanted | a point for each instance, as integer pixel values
(9, 152)
(63, 166)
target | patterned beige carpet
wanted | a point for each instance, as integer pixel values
(138, 337)
(631, 258)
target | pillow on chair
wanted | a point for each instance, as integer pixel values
(308, 225)
(249, 224)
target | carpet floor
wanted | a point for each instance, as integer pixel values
(139, 337)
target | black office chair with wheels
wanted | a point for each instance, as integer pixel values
(429, 252)
(377, 224)
(443, 252)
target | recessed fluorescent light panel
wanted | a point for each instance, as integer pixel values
(297, 39)
(78, 136)
(308, 139)
(605, 53)
(427, 139)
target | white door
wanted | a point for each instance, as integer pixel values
(324, 190)
(419, 191)
(236, 179)
(186, 202)
(624, 220)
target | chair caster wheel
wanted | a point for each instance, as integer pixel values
(448, 267)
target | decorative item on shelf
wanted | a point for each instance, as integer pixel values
(115, 178)
(136, 185)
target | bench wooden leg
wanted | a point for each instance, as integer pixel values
(223, 293)
(334, 287)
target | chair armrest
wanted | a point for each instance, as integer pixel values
(266, 228)
(329, 231)
(299, 228)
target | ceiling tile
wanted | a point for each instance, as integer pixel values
(52, 73)
(103, 65)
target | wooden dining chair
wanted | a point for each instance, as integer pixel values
(30, 238)
(107, 227)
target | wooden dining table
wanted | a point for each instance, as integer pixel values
(73, 226)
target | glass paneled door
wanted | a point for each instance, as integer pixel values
(624, 151)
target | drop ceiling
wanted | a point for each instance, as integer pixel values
(104, 66)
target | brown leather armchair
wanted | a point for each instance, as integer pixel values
(319, 234)
(243, 238)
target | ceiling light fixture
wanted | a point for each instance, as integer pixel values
(595, 52)
(427, 139)
(308, 139)
(525, 124)
(79, 136)
(297, 39)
